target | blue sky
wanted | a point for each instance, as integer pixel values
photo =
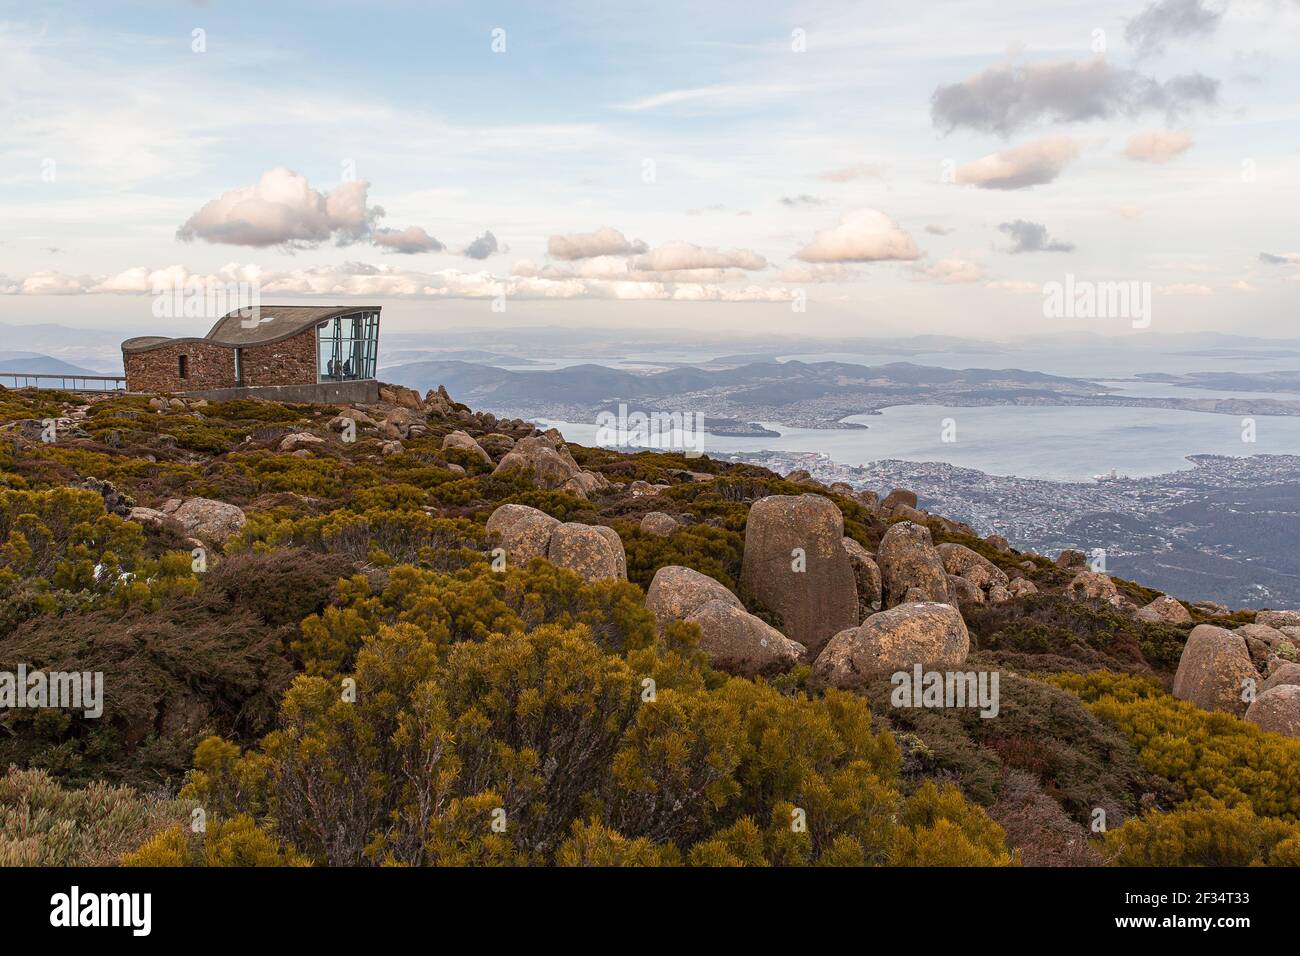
(923, 168)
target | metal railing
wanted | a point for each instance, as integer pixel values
(66, 383)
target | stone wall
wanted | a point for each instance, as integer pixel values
(288, 362)
(158, 370)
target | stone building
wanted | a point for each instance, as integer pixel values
(293, 353)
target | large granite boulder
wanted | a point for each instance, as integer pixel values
(205, 518)
(463, 441)
(675, 592)
(298, 441)
(1269, 636)
(899, 496)
(1093, 586)
(909, 562)
(1286, 673)
(1165, 610)
(866, 575)
(1071, 559)
(929, 634)
(1020, 587)
(524, 532)
(545, 459)
(971, 565)
(1277, 710)
(795, 565)
(1214, 670)
(740, 643)
(964, 591)
(659, 524)
(592, 551)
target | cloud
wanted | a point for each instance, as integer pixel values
(1003, 99)
(605, 241)
(407, 241)
(1169, 20)
(677, 255)
(849, 173)
(939, 230)
(951, 271)
(819, 272)
(482, 247)
(360, 279)
(1157, 146)
(864, 235)
(283, 209)
(1021, 167)
(1128, 212)
(720, 95)
(1029, 236)
(1287, 258)
(803, 199)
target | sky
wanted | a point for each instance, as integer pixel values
(812, 168)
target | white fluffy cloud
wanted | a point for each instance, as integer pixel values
(864, 235)
(605, 241)
(1021, 167)
(280, 209)
(1157, 146)
(676, 256)
(407, 241)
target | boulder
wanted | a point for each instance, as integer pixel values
(899, 496)
(642, 489)
(965, 591)
(932, 635)
(391, 448)
(866, 575)
(999, 594)
(1277, 710)
(206, 518)
(740, 643)
(999, 542)
(1166, 610)
(795, 565)
(908, 513)
(300, 440)
(149, 516)
(465, 442)
(1286, 673)
(1021, 586)
(400, 395)
(544, 458)
(909, 561)
(496, 444)
(676, 592)
(524, 532)
(585, 482)
(591, 551)
(1070, 558)
(1214, 669)
(971, 565)
(1278, 618)
(1214, 609)
(1093, 586)
(1269, 636)
(658, 523)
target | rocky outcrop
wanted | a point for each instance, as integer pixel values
(909, 562)
(549, 464)
(205, 518)
(971, 565)
(524, 532)
(740, 643)
(1269, 636)
(1019, 587)
(929, 634)
(1278, 618)
(1277, 710)
(1165, 610)
(1070, 559)
(658, 523)
(964, 591)
(591, 551)
(1214, 670)
(999, 542)
(401, 396)
(866, 575)
(462, 441)
(795, 565)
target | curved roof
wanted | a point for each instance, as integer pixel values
(276, 322)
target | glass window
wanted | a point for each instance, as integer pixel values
(347, 347)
